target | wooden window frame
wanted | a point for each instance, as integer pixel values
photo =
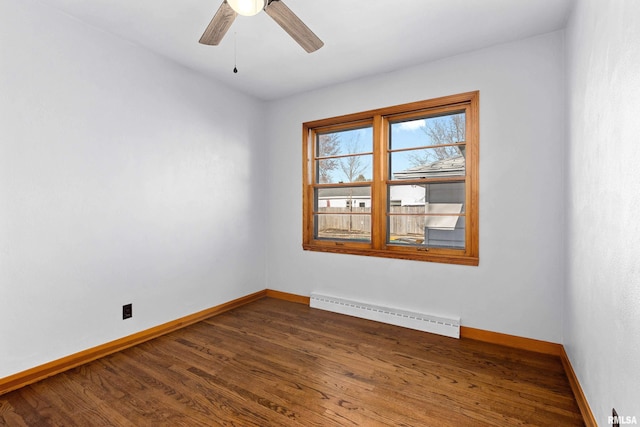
(380, 120)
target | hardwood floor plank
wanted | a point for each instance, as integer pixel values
(9, 417)
(378, 359)
(350, 386)
(278, 363)
(258, 370)
(175, 391)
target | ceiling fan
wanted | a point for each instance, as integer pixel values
(276, 9)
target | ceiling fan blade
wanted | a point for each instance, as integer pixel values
(289, 22)
(219, 25)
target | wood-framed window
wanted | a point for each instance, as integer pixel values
(396, 182)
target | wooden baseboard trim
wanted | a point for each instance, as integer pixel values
(530, 344)
(581, 400)
(288, 297)
(41, 372)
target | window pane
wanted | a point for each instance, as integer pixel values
(351, 141)
(343, 213)
(343, 227)
(423, 195)
(427, 215)
(426, 131)
(428, 163)
(345, 169)
(433, 231)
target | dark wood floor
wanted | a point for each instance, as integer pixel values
(276, 363)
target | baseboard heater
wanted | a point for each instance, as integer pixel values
(449, 327)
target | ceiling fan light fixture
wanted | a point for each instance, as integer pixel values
(276, 9)
(247, 7)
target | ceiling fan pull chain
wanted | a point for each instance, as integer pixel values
(235, 52)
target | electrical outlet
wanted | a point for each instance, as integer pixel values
(127, 311)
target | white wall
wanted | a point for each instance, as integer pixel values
(124, 178)
(517, 288)
(602, 307)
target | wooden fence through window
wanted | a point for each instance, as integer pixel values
(358, 220)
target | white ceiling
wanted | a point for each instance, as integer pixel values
(362, 37)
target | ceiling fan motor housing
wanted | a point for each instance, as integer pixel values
(247, 7)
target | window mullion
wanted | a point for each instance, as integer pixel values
(308, 173)
(379, 190)
(473, 123)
